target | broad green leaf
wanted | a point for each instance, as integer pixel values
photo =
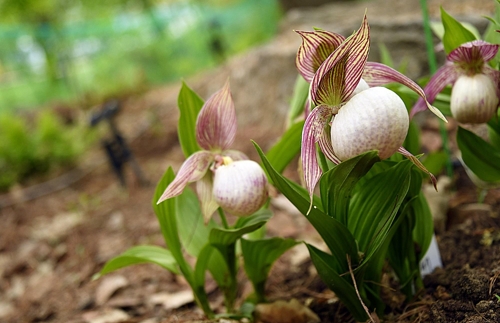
(438, 29)
(374, 206)
(141, 255)
(412, 141)
(435, 161)
(402, 252)
(210, 259)
(192, 230)
(494, 137)
(189, 106)
(424, 224)
(494, 130)
(481, 157)
(336, 236)
(224, 240)
(283, 152)
(337, 184)
(455, 34)
(491, 35)
(259, 256)
(342, 286)
(300, 94)
(166, 214)
(244, 225)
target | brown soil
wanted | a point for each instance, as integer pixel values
(51, 246)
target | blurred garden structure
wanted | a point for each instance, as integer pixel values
(62, 51)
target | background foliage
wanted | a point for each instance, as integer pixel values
(62, 50)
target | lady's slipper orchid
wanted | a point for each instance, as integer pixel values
(345, 96)
(215, 132)
(476, 86)
(234, 179)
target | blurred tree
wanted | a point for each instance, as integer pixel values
(44, 17)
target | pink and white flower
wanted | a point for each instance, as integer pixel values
(350, 113)
(215, 133)
(475, 85)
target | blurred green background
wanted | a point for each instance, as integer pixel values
(63, 50)
(74, 54)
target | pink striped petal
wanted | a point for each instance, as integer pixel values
(325, 144)
(474, 54)
(445, 75)
(216, 124)
(235, 154)
(376, 74)
(193, 169)
(315, 48)
(313, 128)
(495, 76)
(330, 85)
(417, 163)
(206, 197)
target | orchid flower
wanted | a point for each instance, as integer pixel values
(351, 114)
(215, 132)
(476, 86)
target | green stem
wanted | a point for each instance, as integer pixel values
(229, 255)
(431, 56)
(482, 195)
(223, 218)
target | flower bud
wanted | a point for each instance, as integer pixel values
(240, 187)
(374, 119)
(473, 99)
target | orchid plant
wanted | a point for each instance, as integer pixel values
(471, 68)
(226, 181)
(370, 208)
(351, 113)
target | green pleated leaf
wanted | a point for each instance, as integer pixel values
(494, 130)
(491, 35)
(412, 141)
(192, 230)
(167, 216)
(402, 251)
(435, 161)
(342, 286)
(424, 224)
(288, 146)
(481, 157)
(259, 256)
(141, 255)
(189, 104)
(375, 204)
(336, 236)
(455, 34)
(209, 258)
(225, 237)
(337, 184)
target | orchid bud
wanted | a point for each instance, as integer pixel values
(473, 99)
(240, 187)
(374, 119)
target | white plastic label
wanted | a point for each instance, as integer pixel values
(432, 258)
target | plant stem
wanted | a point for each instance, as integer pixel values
(229, 254)
(431, 56)
(223, 218)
